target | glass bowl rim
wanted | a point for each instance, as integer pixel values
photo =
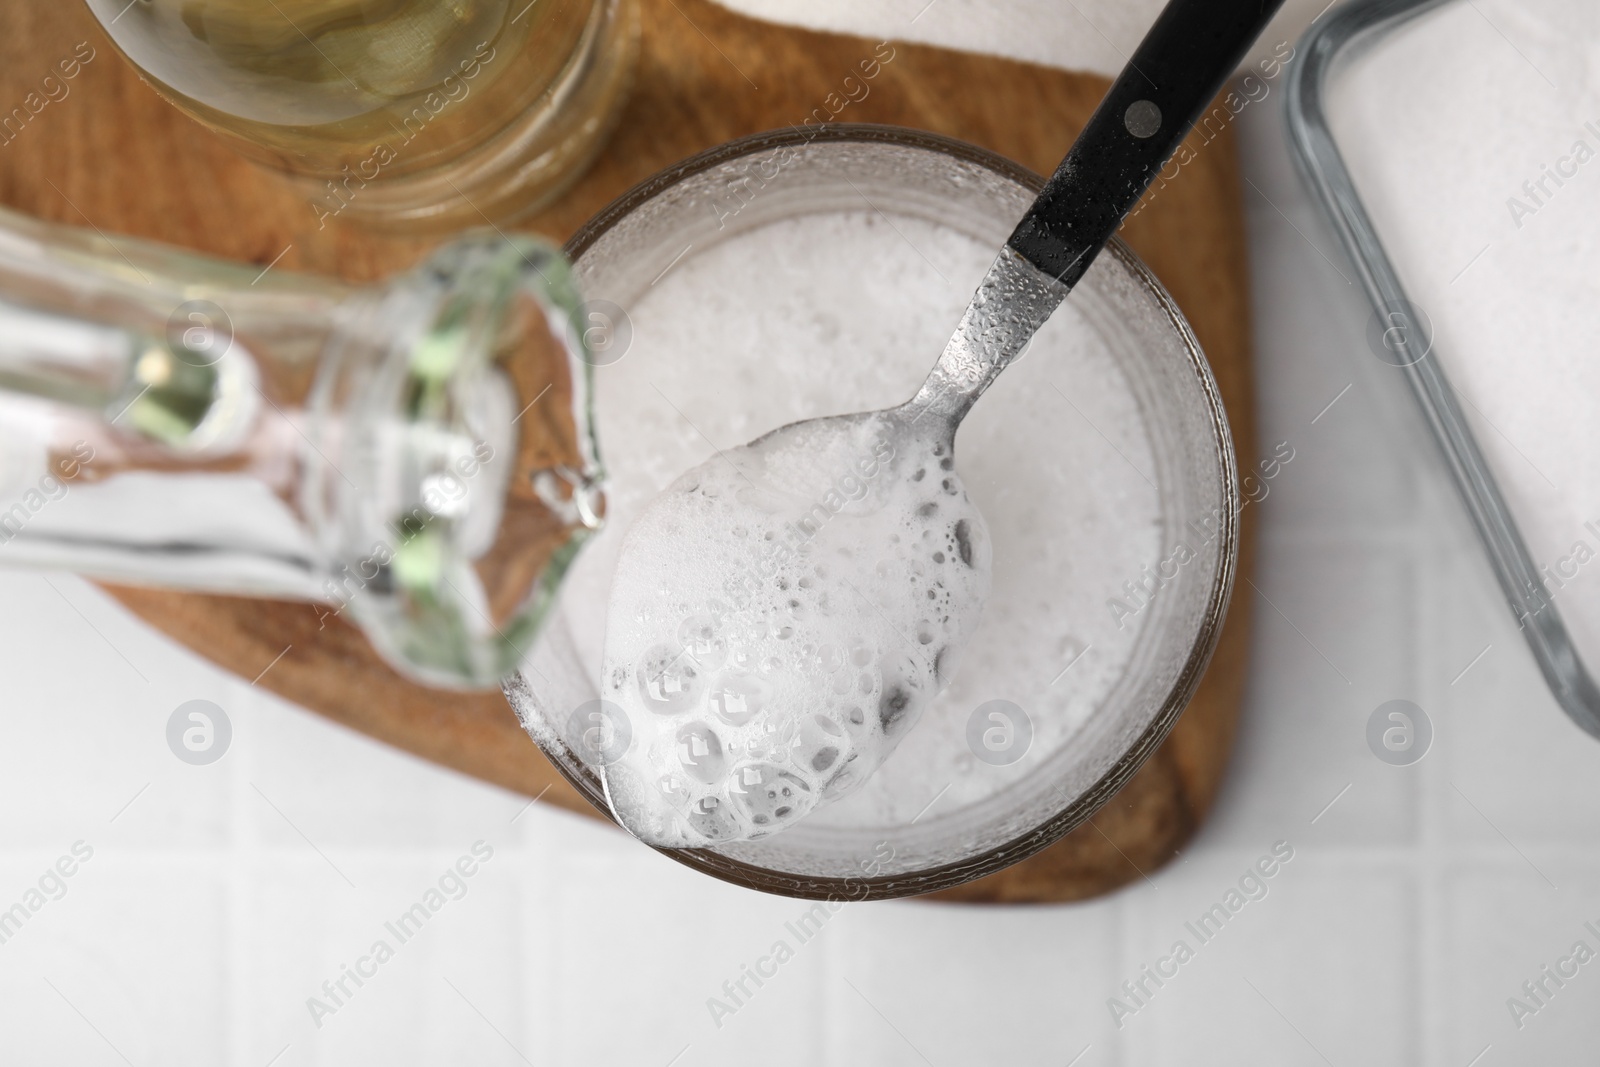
(1083, 807)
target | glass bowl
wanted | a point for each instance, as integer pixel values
(1101, 460)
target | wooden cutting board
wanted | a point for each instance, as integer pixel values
(113, 155)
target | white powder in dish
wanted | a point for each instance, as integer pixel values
(833, 313)
(1474, 136)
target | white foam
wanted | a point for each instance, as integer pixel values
(837, 312)
(780, 618)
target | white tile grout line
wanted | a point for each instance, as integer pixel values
(1429, 930)
(246, 855)
(238, 962)
(1122, 957)
(827, 993)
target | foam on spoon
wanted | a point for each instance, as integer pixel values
(780, 618)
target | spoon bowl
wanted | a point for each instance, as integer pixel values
(782, 616)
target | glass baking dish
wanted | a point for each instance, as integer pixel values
(1327, 49)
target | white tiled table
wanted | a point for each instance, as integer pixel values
(218, 899)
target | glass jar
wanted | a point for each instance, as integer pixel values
(416, 113)
(683, 392)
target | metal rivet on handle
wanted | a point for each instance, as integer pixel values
(1142, 119)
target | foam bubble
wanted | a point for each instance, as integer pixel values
(780, 618)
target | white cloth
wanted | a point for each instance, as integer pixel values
(1093, 35)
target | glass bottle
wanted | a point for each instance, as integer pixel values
(417, 455)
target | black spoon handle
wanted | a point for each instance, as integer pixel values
(1176, 71)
